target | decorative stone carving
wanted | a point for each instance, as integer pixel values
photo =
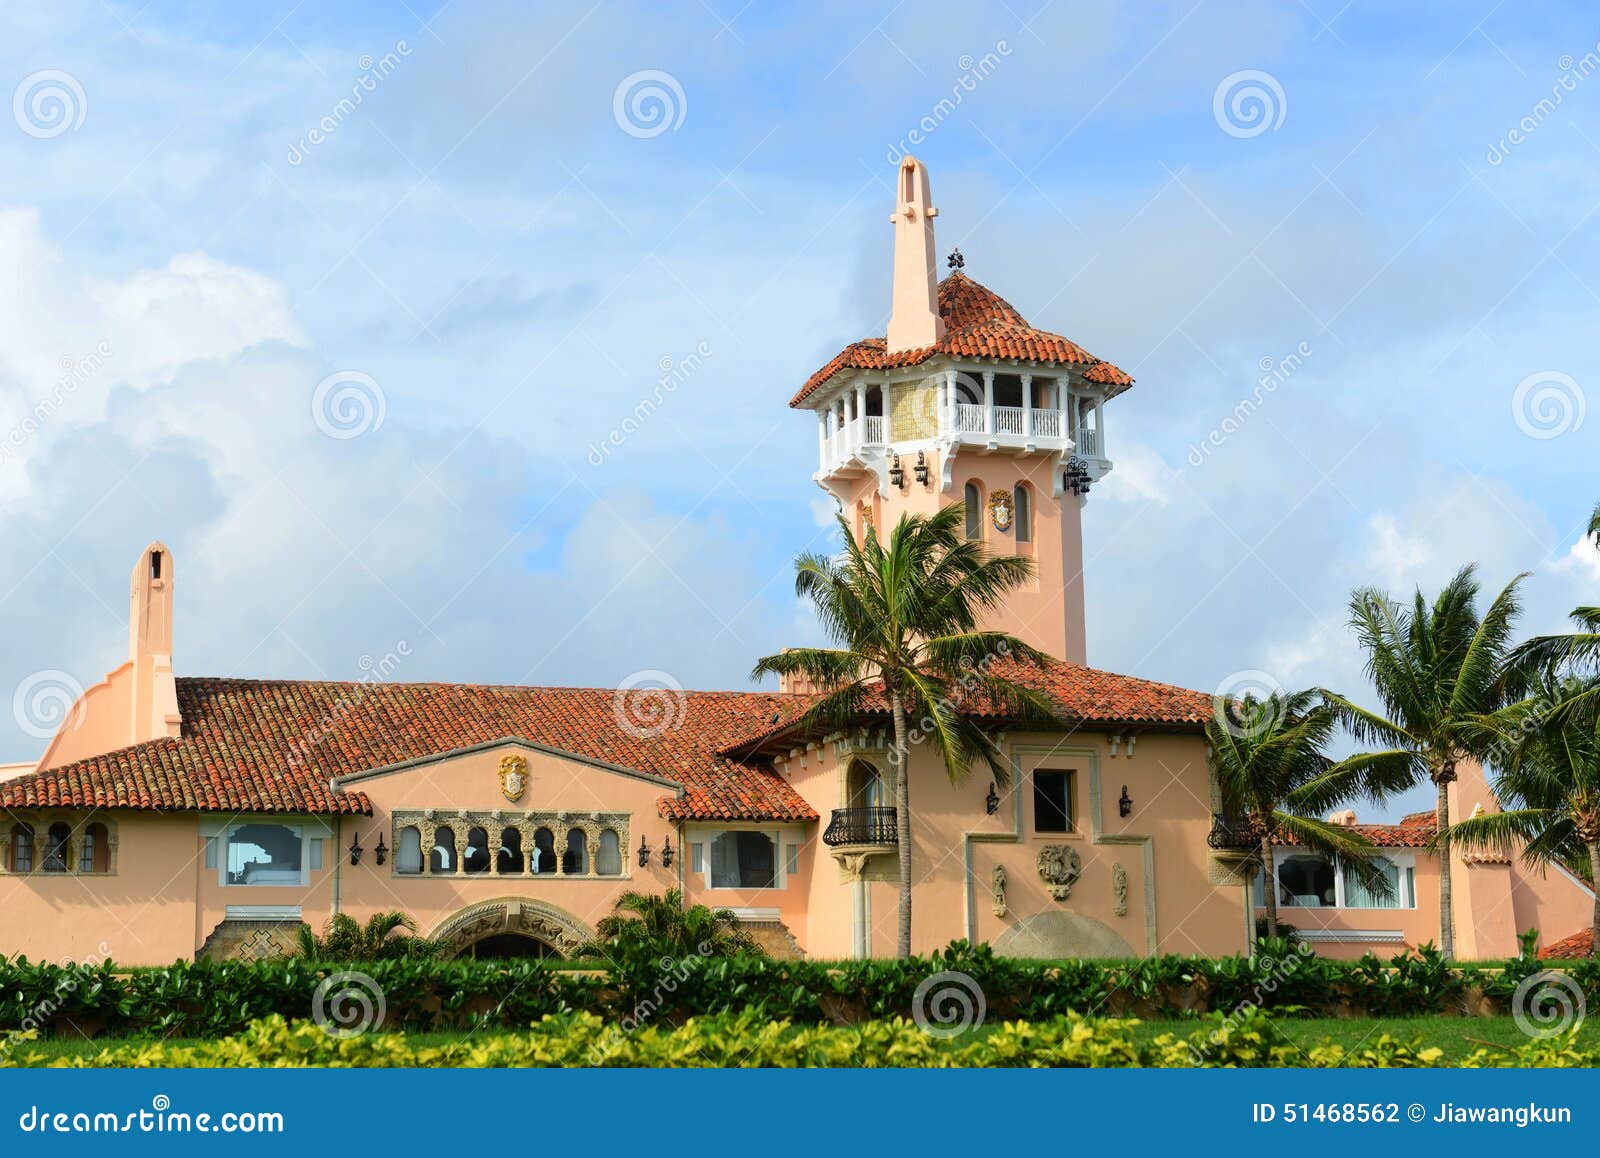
(545, 922)
(592, 824)
(997, 889)
(1059, 868)
(1119, 890)
(513, 776)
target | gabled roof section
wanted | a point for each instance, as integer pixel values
(276, 746)
(979, 323)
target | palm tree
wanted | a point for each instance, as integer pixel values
(1546, 653)
(1436, 669)
(1274, 777)
(658, 925)
(1549, 786)
(905, 615)
(344, 939)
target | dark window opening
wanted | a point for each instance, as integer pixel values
(1052, 801)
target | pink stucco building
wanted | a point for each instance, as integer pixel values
(173, 816)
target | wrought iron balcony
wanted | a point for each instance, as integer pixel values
(862, 826)
(1231, 835)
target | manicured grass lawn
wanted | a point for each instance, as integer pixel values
(1459, 1037)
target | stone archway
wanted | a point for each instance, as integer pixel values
(513, 916)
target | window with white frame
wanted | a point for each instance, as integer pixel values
(264, 853)
(744, 860)
(1309, 880)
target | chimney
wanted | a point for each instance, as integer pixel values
(914, 321)
(154, 713)
(1345, 818)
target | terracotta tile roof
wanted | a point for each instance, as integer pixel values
(978, 324)
(1082, 695)
(1569, 948)
(273, 746)
(1414, 830)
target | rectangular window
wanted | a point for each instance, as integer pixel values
(211, 852)
(264, 854)
(792, 863)
(1357, 896)
(1307, 881)
(697, 858)
(1052, 801)
(744, 860)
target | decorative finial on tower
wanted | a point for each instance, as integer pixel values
(914, 321)
(955, 260)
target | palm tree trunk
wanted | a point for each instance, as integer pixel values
(902, 819)
(1594, 880)
(1447, 921)
(1269, 886)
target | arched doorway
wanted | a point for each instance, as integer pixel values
(512, 927)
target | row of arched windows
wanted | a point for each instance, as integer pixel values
(508, 856)
(56, 851)
(1021, 512)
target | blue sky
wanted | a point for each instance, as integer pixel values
(509, 268)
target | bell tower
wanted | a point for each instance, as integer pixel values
(962, 401)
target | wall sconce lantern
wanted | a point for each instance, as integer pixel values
(382, 851)
(991, 802)
(666, 853)
(355, 849)
(897, 473)
(644, 852)
(1124, 802)
(922, 469)
(1077, 476)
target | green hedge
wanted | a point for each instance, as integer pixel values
(749, 1040)
(211, 999)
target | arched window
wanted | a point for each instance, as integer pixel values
(94, 855)
(1023, 515)
(974, 499)
(408, 851)
(608, 859)
(576, 860)
(21, 849)
(510, 858)
(55, 851)
(544, 851)
(443, 857)
(864, 786)
(476, 859)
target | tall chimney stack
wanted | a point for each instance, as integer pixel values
(914, 321)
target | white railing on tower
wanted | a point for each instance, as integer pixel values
(969, 418)
(1047, 423)
(1086, 442)
(1008, 420)
(874, 432)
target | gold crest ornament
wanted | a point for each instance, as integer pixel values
(1001, 509)
(513, 777)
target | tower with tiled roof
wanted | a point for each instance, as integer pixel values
(963, 401)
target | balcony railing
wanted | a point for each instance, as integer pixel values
(1087, 442)
(1230, 835)
(874, 430)
(1046, 424)
(862, 826)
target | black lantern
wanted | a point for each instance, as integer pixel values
(355, 848)
(1077, 477)
(1124, 802)
(991, 802)
(382, 851)
(922, 468)
(897, 473)
(666, 853)
(644, 852)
